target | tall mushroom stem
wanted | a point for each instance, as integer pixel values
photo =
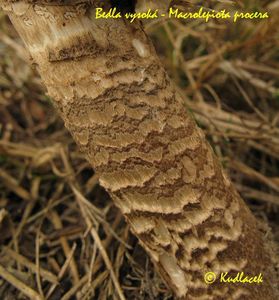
(117, 101)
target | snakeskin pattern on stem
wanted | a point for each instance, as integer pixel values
(117, 101)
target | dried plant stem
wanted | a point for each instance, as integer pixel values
(62, 271)
(47, 275)
(102, 249)
(26, 290)
(66, 248)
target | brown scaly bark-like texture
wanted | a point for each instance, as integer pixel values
(121, 108)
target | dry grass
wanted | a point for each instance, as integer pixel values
(60, 235)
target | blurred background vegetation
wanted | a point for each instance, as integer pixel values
(228, 74)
